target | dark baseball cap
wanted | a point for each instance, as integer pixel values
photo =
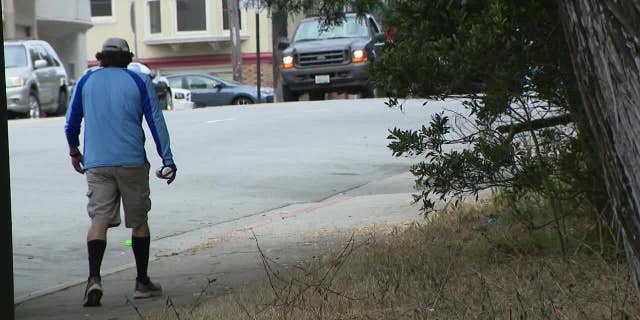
(115, 45)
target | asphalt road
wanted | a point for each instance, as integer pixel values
(233, 162)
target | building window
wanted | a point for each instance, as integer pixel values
(101, 8)
(155, 21)
(191, 15)
(225, 15)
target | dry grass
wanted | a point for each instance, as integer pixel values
(455, 266)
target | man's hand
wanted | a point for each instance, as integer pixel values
(76, 160)
(167, 172)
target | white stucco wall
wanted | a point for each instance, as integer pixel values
(64, 24)
(170, 43)
(21, 13)
(72, 11)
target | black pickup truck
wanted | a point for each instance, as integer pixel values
(335, 59)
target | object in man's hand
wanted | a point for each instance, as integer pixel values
(165, 172)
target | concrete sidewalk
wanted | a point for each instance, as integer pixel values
(221, 257)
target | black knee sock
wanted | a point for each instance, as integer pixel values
(95, 249)
(140, 247)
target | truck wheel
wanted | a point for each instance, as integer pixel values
(367, 92)
(316, 96)
(288, 95)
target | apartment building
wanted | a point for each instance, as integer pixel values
(183, 35)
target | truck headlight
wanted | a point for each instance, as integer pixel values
(359, 56)
(287, 62)
(15, 82)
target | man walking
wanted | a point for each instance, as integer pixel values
(112, 101)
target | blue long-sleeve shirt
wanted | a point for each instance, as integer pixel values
(112, 102)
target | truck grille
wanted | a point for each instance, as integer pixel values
(321, 58)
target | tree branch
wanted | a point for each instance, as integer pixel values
(535, 124)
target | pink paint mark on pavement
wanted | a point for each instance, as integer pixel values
(295, 213)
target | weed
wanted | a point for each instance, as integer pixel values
(469, 262)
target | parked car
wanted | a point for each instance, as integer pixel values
(208, 90)
(182, 99)
(161, 84)
(36, 80)
(335, 59)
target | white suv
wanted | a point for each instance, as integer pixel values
(36, 79)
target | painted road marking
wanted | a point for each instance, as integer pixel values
(221, 120)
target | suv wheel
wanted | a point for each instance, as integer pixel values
(34, 105)
(288, 95)
(62, 103)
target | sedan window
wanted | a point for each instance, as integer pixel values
(201, 83)
(176, 83)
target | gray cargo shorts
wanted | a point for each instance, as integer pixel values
(107, 186)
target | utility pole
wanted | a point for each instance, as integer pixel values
(6, 239)
(132, 17)
(234, 34)
(258, 72)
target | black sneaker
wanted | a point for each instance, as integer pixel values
(93, 292)
(147, 290)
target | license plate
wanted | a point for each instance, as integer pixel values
(322, 79)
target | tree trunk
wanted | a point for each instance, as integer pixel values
(604, 43)
(234, 34)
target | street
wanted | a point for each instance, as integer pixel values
(233, 162)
